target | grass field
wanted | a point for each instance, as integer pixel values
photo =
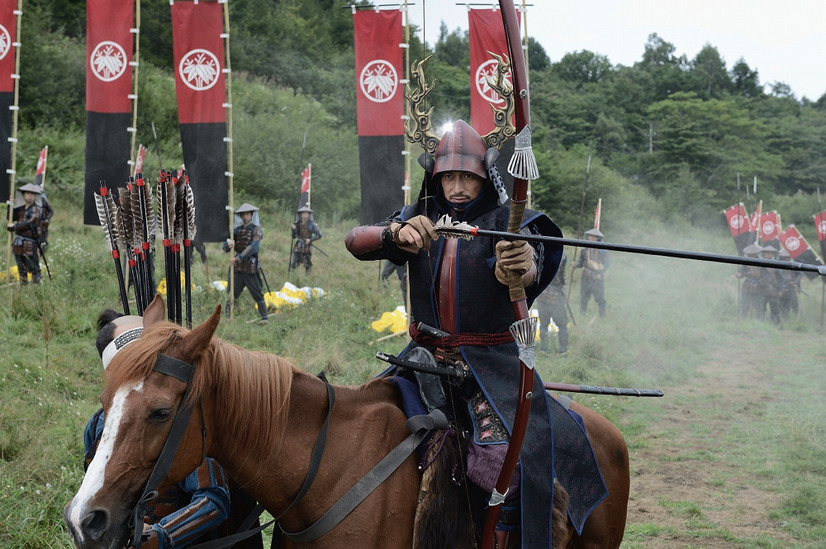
(732, 456)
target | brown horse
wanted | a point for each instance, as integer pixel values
(259, 417)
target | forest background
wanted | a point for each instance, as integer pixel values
(671, 131)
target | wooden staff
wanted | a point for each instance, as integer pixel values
(229, 172)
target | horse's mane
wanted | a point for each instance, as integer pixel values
(254, 387)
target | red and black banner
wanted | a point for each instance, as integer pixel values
(380, 104)
(799, 249)
(820, 227)
(8, 37)
(770, 229)
(200, 85)
(740, 226)
(109, 50)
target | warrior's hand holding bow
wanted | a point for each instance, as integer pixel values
(414, 234)
(514, 258)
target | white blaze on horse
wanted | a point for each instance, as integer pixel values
(262, 418)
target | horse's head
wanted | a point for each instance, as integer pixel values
(140, 405)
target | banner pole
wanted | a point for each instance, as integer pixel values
(228, 139)
(823, 250)
(15, 109)
(134, 97)
(407, 152)
(739, 232)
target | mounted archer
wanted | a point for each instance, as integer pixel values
(462, 289)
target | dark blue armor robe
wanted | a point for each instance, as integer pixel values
(482, 305)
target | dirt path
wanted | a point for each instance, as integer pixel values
(683, 479)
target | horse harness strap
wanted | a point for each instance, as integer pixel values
(244, 530)
(420, 426)
(182, 371)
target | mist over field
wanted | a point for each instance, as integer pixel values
(740, 413)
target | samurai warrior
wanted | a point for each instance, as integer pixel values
(305, 232)
(30, 221)
(459, 288)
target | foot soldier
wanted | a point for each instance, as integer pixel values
(245, 241)
(305, 232)
(30, 220)
(551, 306)
(594, 262)
(751, 296)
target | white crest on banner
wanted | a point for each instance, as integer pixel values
(821, 227)
(768, 226)
(108, 61)
(737, 221)
(379, 81)
(487, 70)
(199, 69)
(5, 41)
(792, 243)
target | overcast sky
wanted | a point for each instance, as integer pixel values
(785, 41)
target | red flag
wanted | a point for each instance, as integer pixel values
(770, 226)
(794, 242)
(799, 249)
(306, 175)
(740, 226)
(198, 50)
(109, 45)
(140, 159)
(379, 69)
(485, 34)
(738, 220)
(597, 214)
(40, 171)
(820, 225)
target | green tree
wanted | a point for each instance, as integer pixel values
(582, 67)
(538, 59)
(709, 71)
(746, 81)
(714, 138)
(668, 72)
(453, 48)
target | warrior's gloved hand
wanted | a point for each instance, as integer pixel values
(415, 234)
(513, 259)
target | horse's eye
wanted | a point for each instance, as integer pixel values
(161, 414)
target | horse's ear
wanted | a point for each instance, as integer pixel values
(154, 312)
(196, 341)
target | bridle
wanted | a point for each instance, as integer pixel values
(181, 371)
(420, 427)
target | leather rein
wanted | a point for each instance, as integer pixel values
(420, 427)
